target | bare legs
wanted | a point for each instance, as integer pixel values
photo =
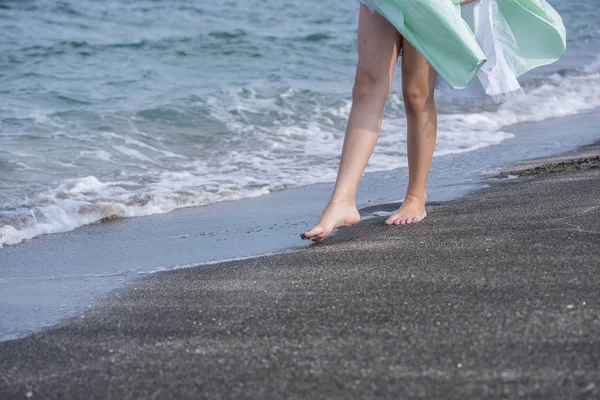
(378, 48)
(418, 84)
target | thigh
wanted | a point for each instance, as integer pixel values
(418, 76)
(378, 45)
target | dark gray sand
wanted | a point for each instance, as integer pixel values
(53, 277)
(494, 296)
(582, 158)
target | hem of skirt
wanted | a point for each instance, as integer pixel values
(466, 85)
(369, 7)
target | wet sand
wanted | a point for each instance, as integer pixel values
(585, 157)
(58, 276)
(495, 295)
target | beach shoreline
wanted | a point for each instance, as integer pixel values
(57, 276)
(493, 296)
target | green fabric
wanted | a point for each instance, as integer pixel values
(539, 33)
(436, 29)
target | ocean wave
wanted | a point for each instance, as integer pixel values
(272, 139)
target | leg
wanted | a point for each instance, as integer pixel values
(418, 84)
(378, 47)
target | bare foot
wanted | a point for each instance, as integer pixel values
(335, 215)
(411, 211)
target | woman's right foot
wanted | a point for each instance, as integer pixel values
(411, 211)
(335, 215)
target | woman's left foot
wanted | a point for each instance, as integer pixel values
(411, 211)
(336, 215)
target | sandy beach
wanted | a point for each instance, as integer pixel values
(494, 296)
(58, 276)
(160, 160)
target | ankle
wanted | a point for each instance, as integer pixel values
(342, 202)
(420, 197)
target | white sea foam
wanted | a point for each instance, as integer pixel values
(131, 141)
(261, 157)
(98, 154)
(133, 153)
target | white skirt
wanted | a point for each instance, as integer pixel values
(496, 80)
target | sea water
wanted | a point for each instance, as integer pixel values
(130, 108)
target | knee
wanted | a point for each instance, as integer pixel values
(370, 85)
(416, 99)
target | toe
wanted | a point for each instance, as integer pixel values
(322, 233)
(317, 230)
(318, 238)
